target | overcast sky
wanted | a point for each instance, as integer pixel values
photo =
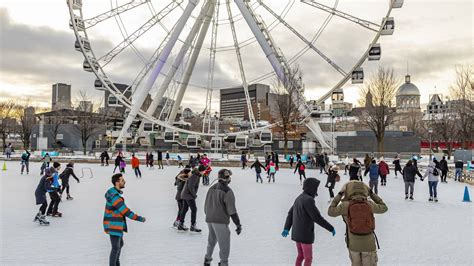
(37, 46)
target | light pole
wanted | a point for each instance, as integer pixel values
(430, 131)
(332, 134)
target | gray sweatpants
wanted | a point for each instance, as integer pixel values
(410, 185)
(218, 233)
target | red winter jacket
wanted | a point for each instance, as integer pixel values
(383, 168)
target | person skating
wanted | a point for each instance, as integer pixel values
(136, 166)
(180, 181)
(326, 162)
(167, 158)
(192, 162)
(277, 161)
(104, 157)
(355, 170)
(147, 160)
(243, 160)
(432, 172)
(219, 208)
(122, 165)
(180, 161)
(25, 161)
(115, 213)
(409, 172)
(333, 177)
(301, 218)
(398, 167)
(383, 171)
(300, 167)
(292, 160)
(189, 195)
(258, 169)
(47, 159)
(322, 164)
(346, 165)
(150, 161)
(443, 166)
(459, 165)
(358, 214)
(68, 172)
(118, 159)
(53, 191)
(160, 160)
(8, 150)
(367, 161)
(271, 170)
(205, 161)
(373, 171)
(40, 196)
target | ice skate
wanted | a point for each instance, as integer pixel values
(57, 214)
(406, 196)
(411, 197)
(430, 199)
(182, 227)
(193, 228)
(42, 220)
(436, 199)
(37, 217)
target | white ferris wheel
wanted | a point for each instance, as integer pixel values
(167, 41)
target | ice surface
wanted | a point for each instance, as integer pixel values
(410, 233)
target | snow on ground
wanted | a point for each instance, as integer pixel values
(410, 233)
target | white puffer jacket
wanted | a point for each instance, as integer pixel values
(429, 172)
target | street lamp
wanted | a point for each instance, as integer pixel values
(430, 131)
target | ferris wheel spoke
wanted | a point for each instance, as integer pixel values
(362, 22)
(192, 61)
(309, 43)
(111, 13)
(241, 67)
(158, 96)
(210, 77)
(129, 40)
(164, 54)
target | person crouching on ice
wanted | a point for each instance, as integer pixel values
(301, 217)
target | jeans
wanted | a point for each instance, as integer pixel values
(117, 244)
(259, 177)
(373, 184)
(189, 204)
(27, 165)
(458, 174)
(305, 252)
(433, 185)
(138, 173)
(218, 234)
(410, 185)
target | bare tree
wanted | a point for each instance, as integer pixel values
(444, 130)
(379, 93)
(26, 116)
(288, 113)
(7, 109)
(55, 123)
(462, 93)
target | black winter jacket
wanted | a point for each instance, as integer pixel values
(443, 164)
(354, 171)
(191, 186)
(41, 189)
(458, 165)
(409, 173)
(304, 213)
(258, 167)
(66, 174)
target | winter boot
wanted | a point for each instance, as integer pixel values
(182, 227)
(193, 228)
(69, 197)
(436, 199)
(411, 196)
(176, 224)
(406, 196)
(431, 198)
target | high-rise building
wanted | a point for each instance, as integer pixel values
(234, 104)
(61, 96)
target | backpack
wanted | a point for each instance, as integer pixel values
(24, 156)
(337, 178)
(374, 170)
(360, 218)
(435, 172)
(301, 167)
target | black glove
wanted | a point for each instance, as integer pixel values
(239, 229)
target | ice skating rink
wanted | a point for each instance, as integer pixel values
(410, 233)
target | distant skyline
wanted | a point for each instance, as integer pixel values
(37, 49)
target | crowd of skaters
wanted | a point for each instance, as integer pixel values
(220, 200)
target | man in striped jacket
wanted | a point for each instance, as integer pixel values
(114, 217)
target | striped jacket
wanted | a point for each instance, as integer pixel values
(115, 212)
